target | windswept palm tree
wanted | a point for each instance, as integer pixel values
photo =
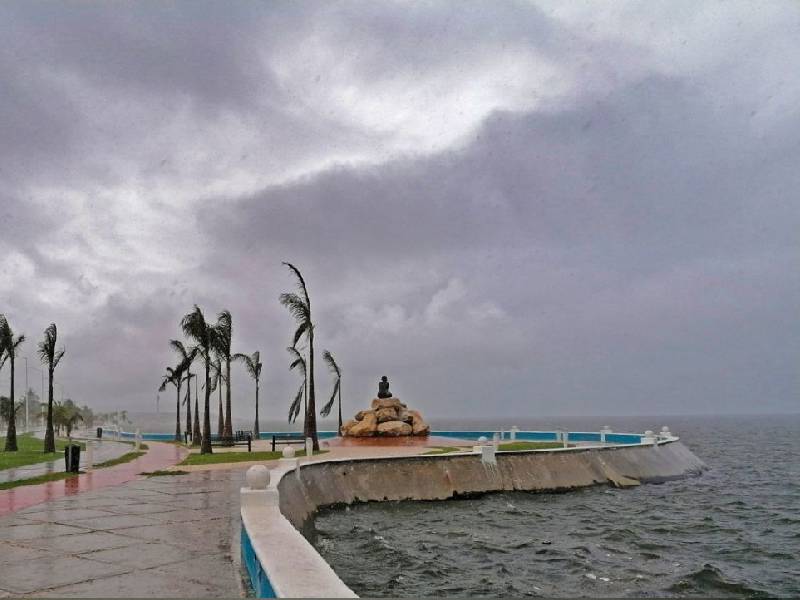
(299, 306)
(217, 379)
(253, 365)
(9, 344)
(299, 363)
(50, 356)
(185, 358)
(224, 339)
(175, 377)
(337, 387)
(196, 328)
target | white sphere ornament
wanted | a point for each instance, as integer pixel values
(288, 452)
(483, 439)
(257, 477)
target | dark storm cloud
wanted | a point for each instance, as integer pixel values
(508, 209)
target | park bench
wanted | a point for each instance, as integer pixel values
(287, 438)
(240, 438)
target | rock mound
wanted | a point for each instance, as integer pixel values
(386, 417)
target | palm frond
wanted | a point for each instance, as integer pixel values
(224, 332)
(304, 326)
(58, 356)
(296, 306)
(331, 362)
(294, 409)
(326, 410)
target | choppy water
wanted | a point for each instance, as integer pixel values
(734, 531)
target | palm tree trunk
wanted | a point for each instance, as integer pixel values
(311, 412)
(189, 403)
(49, 437)
(11, 437)
(228, 424)
(196, 437)
(178, 413)
(205, 448)
(220, 419)
(340, 406)
(257, 428)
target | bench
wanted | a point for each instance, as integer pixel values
(287, 439)
(240, 438)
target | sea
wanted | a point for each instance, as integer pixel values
(734, 531)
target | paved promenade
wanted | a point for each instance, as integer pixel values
(175, 536)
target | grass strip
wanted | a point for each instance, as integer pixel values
(511, 446)
(234, 457)
(30, 451)
(127, 457)
(162, 473)
(444, 450)
(37, 480)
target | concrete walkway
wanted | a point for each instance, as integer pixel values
(163, 537)
(105, 450)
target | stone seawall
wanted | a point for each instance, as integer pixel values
(438, 477)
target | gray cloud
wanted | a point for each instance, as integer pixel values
(509, 209)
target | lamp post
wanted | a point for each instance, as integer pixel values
(27, 396)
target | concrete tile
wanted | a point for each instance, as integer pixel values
(66, 515)
(38, 531)
(86, 542)
(144, 555)
(31, 576)
(13, 553)
(141, 584)
(213, 570)
(114, 522)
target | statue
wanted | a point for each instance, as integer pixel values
(383, 388)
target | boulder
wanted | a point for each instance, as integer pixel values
(366, 427)
(360, 414)
(404, 416)
(347, 426)
(394, 428)
(386, 414)
(418, 424)
(387, 403)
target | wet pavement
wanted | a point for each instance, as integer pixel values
(172, 536)
(104, 450)
(159, 456)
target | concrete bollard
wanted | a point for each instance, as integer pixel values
(565, 438)
(496, 439)
(138, 439)
(649, 437)
(513, 433)
(481, 443)
(665, 432)
(309, 447)
(603, 432)
(288, 458)
(258, 493)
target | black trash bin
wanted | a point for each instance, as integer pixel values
(99, 433)
(72, 457)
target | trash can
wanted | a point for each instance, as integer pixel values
(72, 458)
(99, 433)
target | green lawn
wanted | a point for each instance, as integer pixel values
(30, 451)
(36, 480)
(445, 450)
(232, 457)
(127, 457)
(530, 446)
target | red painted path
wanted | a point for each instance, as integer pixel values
(159, 456)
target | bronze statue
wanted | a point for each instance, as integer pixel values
(383, 388)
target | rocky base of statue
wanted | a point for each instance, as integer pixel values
(387, 417)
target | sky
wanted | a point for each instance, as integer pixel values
(509, 208)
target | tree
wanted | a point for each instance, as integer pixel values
(253, 365)
(217, 379)
(196, 328)
(50, 356)
(300, 308)
(224, 339)
(298, 363)
(337, 387)
(186, 357)
(175, 377)
(9, 344)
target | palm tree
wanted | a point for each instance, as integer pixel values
(253, 365)
(224, 339)
(195, 327)
(9, 344)
(175, 377)
(217, 379)
(302, 392)
(185, 358)
(300, 308)
(337, 387)
(50, 356)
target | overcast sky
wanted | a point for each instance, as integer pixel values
(509, 208)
